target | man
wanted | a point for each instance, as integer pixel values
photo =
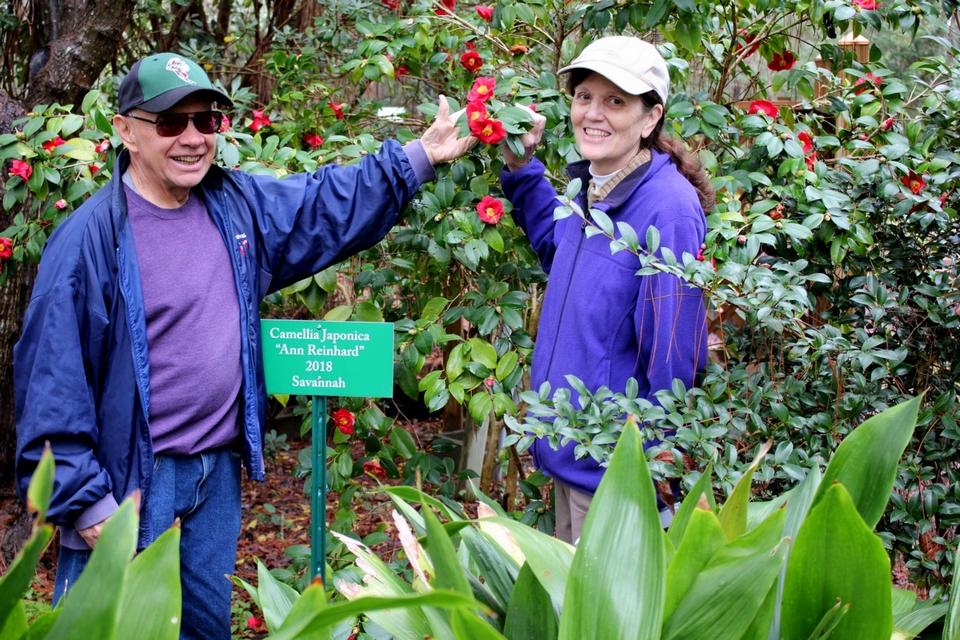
(139, 360)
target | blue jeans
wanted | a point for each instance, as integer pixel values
(203, 490)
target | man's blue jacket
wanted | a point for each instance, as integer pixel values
(81, 366)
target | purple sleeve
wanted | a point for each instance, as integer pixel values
(670, 317)
(534, 200)
(419, 161)
(97, 512)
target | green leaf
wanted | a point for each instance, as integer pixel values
(616, 584)
(323, 619)
(701, 539)
(506, 365)
(733, 514)
(603, 221)
(702, 487)
(79, 149)
(653, 239)
(483, 352)
(469, 626)
(433, 308)
(151, 595)
(837, 556)
(89, 609)
(15, 582)
(41, 485)
(367, 311)
(339, 313)
(14, 624)
(455, 361)
(530, 615)
(951, 627)
(480, 406)
(732, 589)
(449, 573)
(276, 598)
(866, 461)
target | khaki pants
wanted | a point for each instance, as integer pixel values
(571, 510)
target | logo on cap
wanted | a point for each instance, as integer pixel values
(179, 67)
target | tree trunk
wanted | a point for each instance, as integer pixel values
(82, 38)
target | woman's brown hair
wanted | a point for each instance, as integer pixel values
(687, 163)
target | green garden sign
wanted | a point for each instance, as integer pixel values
(320, 359)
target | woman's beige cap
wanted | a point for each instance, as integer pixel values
(630, 63)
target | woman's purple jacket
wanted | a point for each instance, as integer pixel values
(600, 321)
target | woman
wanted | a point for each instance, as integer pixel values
(600, 321)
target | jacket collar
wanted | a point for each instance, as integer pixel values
(627, 186)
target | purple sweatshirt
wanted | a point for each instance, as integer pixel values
(600, 321)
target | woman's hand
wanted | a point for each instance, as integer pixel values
(530, 140)
(440, 140)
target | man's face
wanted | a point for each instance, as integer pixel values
(166, 168)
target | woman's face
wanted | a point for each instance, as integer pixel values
(609, 123)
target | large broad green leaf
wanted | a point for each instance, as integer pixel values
(469, 626)
(702, 487)
(15, 582)
(15, 624)
(530, 614)
(305, 625)
(41, 485)
(951, 627)
(731, 590)
(912, 623)
(90, 606)
(549, 559)
(275, 598)
(702, 538)
(837, 557)
(801, 498)
(616, 584)
(450, 574)
(733, 513)
(866, 461)
(151, 596)
(380, 580)
(495, 567)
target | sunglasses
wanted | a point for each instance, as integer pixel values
(170, 125)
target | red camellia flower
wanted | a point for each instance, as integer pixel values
(471, 61)
(94, 169)
(862, 84)
(447, 7)
(344, 419)
(225, 124)
(490, 209)
(806, 141)
(60, 204)
(476, 111)
(887, 124)
(313, 140)
(373, 468)
(482, 89)
(6, 248)
(485, 12)
(811, 160)
(337, 108)
(782, 61)
(747, 40)
(50, 145)
(763, 106)
(256, 624)
(869, 5)
(104, 144)
(22, 169)
(488, 131)
(260, 120)
(401, 71)
(914, 182)
(393, 5)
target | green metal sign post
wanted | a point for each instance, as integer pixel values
(320, 359)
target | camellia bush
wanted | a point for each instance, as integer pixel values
(828, 128)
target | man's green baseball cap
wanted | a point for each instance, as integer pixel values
(158, 82)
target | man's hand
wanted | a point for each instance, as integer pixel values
(91, 534)
(530, 140)
(440, 140)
